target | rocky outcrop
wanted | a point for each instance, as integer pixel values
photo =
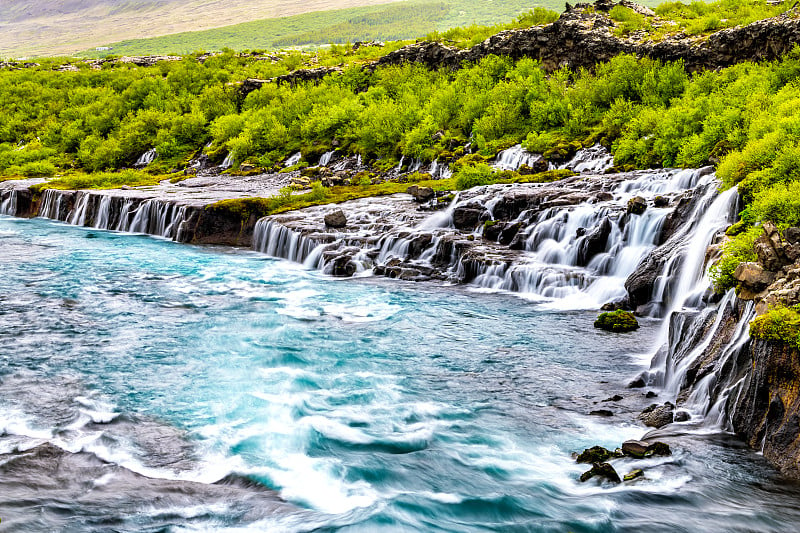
(773, 280)
(582, 37)
(767, 411)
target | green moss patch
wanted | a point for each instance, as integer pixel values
(617, 321)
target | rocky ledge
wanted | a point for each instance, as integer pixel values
(583, 37)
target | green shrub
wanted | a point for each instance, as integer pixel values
(780, 325)
(779, 204)
(618, 321)
(473, 176)
(738, 249)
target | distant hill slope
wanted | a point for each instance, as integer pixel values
(62, 27)
(397, 21)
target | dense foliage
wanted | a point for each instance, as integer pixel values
(781, 324)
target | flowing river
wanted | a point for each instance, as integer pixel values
(365, 404)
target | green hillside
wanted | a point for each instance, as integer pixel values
(402, 20)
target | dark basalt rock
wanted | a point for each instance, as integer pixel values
(637, 205)
(639, 449)
(603, 470)
(594, 243)
(658, 416)
(336, 219)
(767, 411)
(596, 454)
(601, 412)
(469, 216)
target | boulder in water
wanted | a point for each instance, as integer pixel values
(640, 449)
(336, 219)
(637, 205)
(596, 454)
(682, 416)
(601, 412)
(618, 321)
(603, 470)
(633, 474)
(658, 416)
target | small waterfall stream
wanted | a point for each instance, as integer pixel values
(117, 213)
(9, 205)
(146, 158)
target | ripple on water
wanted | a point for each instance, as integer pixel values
(367, 405)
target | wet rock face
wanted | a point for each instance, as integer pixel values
(767, 412)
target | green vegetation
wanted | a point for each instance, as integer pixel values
(101, 180)
(781, 325)
(737, 250)
(703, 17)
(618, 321)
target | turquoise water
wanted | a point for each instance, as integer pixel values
(366, 404)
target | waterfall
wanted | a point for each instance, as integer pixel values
(146, 158)
(293, 160)
(228, 161)
(326, 158)
(400, 164)
(515, 157)
(594, 160)
(276, 240)
(9, 205)
(119, 213)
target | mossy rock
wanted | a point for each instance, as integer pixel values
(617, 321)
(597, 454)
(562, 152)
(735, 229)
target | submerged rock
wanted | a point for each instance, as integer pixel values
(633, 474)
(601, 412)
(603, 470)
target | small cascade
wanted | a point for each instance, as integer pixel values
(400, 164)
(116, 213)
(103, 218)
(514, 157)
(293, 160)
(594, 160)
(227, 162)
(440, 171)
(326, 158)
(359, 162)
(277, 240)
(146, 158)
(9, 205)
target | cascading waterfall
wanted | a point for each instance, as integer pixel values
(146, 158)
(9, 205)
(293, 159)
(575, 257)
(116, 213)
(228, 161)
(326, 158)
(514, 157)
(277, 240)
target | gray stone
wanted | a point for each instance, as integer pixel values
(336, 219)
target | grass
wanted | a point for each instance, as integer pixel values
(101, 180)
(51, 28)
(397, 21)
